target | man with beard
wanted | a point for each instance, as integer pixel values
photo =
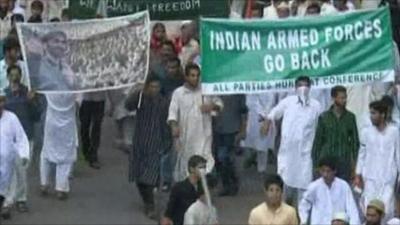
(375, 212)
(378, 162)
(54, 72)
(154, 140)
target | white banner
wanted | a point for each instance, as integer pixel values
(84, 56)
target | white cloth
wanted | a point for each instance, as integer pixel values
(324, 202)
(298, 131)
(62, 172)
(188, 52)
(117, 98)
(270, 12)
(323, 96)
(195, 128)
(379, 164)
(359, 96)
(370, 4)
(60, 140)
(18, 188)
(5, 25)
(328, 9)
(13, 142)
(200, 214)
(259, 106)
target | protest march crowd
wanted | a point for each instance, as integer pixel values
(337, 149)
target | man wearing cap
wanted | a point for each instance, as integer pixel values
(54, 73)
(375, 212)
(340, 218)
(13, 142)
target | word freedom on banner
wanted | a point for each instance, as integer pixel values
(70, 57)
(257, 56)
(159, 9)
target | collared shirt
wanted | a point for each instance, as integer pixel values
(183, 195)
(3, 74)
(298, 131)
(336, 137)
(324, 202)
(262, 215)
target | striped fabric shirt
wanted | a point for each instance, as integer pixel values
(336, 137)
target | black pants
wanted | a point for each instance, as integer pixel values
(225, 155)
(1, 204)
(146, 193)
(91, 116)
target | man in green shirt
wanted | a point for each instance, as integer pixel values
(337, 135)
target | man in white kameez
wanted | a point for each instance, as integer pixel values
(300, 116)
(327, 196)
(13, 143)
(190, 116)
(60, 143)
(378, 163)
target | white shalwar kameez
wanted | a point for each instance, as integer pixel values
(359, 96)
(13, 143)
(195, 135)
(298, 131)
(259, 106)
(379, 164)
(60, 140)
(199, 213)
(324, 202)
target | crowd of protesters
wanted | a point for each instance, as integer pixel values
(338, 150)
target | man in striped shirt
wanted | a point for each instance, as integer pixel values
(337, 135)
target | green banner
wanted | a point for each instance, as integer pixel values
(159, 9)
(252, 56)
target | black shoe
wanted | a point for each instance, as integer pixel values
(6, 213)
(22, 207)
(95, 165)
(44, 190)
(62, 196)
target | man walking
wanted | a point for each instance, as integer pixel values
(229, 127)
(190, 119)
(91, 115)
(13, 142)
(152, 141)
(378, 163)
(274, 210)
(337, 135)
(23, 103)
(327, 196)
(60, 143)
(300, 114)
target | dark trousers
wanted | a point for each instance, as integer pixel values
(1, 205)
(225, 163)
(91, 116)
(146, 193)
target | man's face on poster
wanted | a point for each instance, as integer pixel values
(57, 46)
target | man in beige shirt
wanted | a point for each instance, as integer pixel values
(273, 211)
